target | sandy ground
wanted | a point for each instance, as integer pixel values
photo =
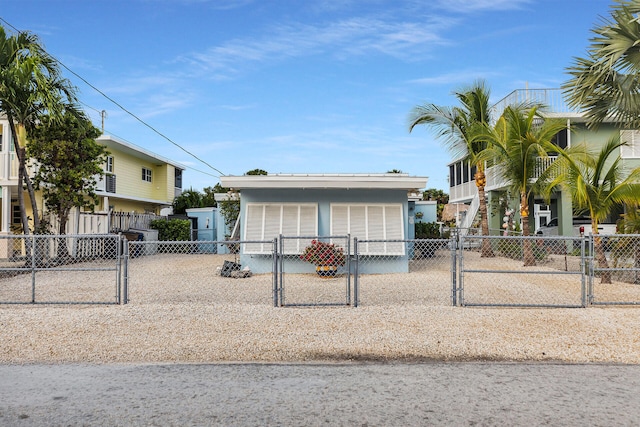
(181, 311)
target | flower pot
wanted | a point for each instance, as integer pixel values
(326, 270)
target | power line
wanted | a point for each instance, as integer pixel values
(124, 109)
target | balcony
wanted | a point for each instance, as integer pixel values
(552, 99)
(466, 190)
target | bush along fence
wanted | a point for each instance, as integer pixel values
(517, 271)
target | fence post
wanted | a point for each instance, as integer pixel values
(460, 271)
(125, 246)
(454, 261)
(275, 272)
(281, 270)
(33, 267)
(583, 269)
(356, 278)
(119, 299)
(349, 269)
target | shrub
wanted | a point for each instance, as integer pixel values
(173, 229)
(427, 230)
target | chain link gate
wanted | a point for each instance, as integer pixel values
(614, 269)
(522, 271)
(314, 271)
(404, 272)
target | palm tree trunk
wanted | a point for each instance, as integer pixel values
(527, 249)
(481, 180)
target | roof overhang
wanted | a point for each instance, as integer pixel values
(110, 141)
(395, 181)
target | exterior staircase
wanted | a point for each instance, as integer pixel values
(470, 215)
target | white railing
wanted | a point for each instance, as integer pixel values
(463, 192)
(552, 99)
(470, 215)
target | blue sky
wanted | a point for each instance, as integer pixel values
(297, 86)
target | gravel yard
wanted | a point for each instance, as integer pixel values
(181, 311)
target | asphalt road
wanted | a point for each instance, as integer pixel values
(425, 394)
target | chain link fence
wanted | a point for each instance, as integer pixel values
(314, 271)
(522, 271)
(527, 271)
(614, 276)
(404, 272)
(67, 269)
(194, 272)
(514, 271)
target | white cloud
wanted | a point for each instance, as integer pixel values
(342, 39)
(455, 78)
(466, 6)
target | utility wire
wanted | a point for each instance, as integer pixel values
(124, 109)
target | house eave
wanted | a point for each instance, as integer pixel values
(325, 181)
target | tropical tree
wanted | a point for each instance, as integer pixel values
(515, 145)
(30, 86)
(439, 196)
(597, 183)
(67, 162)
(605, 83)
(456, 127)
(186, 200)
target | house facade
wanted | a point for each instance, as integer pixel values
(363, 206)
(462, 187)
(135, 180)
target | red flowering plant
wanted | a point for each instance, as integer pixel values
(321, 253)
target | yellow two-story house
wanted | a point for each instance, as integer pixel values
(135, 180)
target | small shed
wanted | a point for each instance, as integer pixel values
(363, 206)
(205, 226)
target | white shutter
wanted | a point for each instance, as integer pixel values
(370, 222)
(394, 228)
(268, 221)
(632, 148)
(308, 220)
(253, 228)
(272, 221)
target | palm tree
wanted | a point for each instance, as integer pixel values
(597, 183)
(30, 85)
(456, 126)
(516, 143)
(605, 83)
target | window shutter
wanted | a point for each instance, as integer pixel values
(394, 227)
(370, 222)
(253, 226)
(268, 221)
(110, 183)
(632, 148)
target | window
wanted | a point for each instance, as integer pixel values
(265, 221)
(109, 165)
(110, 183)
(370, 222)
(16, 218)
(632, 149)
(178, 178)
(146, 174)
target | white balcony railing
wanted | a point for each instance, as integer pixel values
(552, 99)
(467, 190)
